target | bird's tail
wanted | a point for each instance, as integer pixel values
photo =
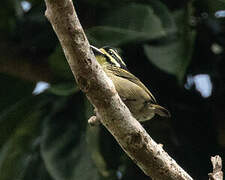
(161, 110)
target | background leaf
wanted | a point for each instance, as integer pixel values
(63, 148)
(163, 56)
(20, 130)
(63, 89)
(124, 23)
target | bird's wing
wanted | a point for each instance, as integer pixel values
(127, 75)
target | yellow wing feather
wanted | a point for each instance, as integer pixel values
(127, 75)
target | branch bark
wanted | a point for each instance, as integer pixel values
(114, 115)
(217, 173)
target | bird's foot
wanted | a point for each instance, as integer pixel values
(94, 120)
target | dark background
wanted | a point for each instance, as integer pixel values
(176, 47)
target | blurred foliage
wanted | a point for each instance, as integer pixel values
(165, 43)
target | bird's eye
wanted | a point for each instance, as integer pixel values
(110, 52)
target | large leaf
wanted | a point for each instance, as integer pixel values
(12, 117)
(17, 140)
(16, 100)
(164, 15)
(36, 168)
(134, 22)
(94, 137)
(64, 88)
(64, 148)
(174, 56)
(59, 64)
(210, 7)
(13, 90)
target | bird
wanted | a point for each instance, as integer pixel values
(136, 96)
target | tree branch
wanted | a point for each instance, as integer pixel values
(114, 115)
(217, 173)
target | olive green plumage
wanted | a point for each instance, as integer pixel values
(132, 91)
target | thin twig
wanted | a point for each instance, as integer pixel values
(217, 173)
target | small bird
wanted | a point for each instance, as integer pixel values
(131, 90)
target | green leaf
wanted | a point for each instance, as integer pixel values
(103, 148)
(63, 89)
(164, 15)
(174, 56)
(64, 148)
(13, 90)
(134, 22)
(17, 142)
(11, 118)
(211, 6)
(93, 137)
(36, 168)
(102, 35)
(16, 100)
(59, 65)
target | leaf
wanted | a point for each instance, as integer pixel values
(13, 90)
(63, 146)
(102, 35)
(63, 89)
(16, 148)
(174, 56)
(36, 168)
(16, 100)
(103, 148)
(59, 64)
(93, 137)
(164, 15)
(11, 118)
(134, 22)
(211, 6)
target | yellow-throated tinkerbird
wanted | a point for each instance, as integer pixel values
(131, 90)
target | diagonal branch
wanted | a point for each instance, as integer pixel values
(114, 115)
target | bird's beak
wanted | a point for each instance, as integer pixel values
(96, 51)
